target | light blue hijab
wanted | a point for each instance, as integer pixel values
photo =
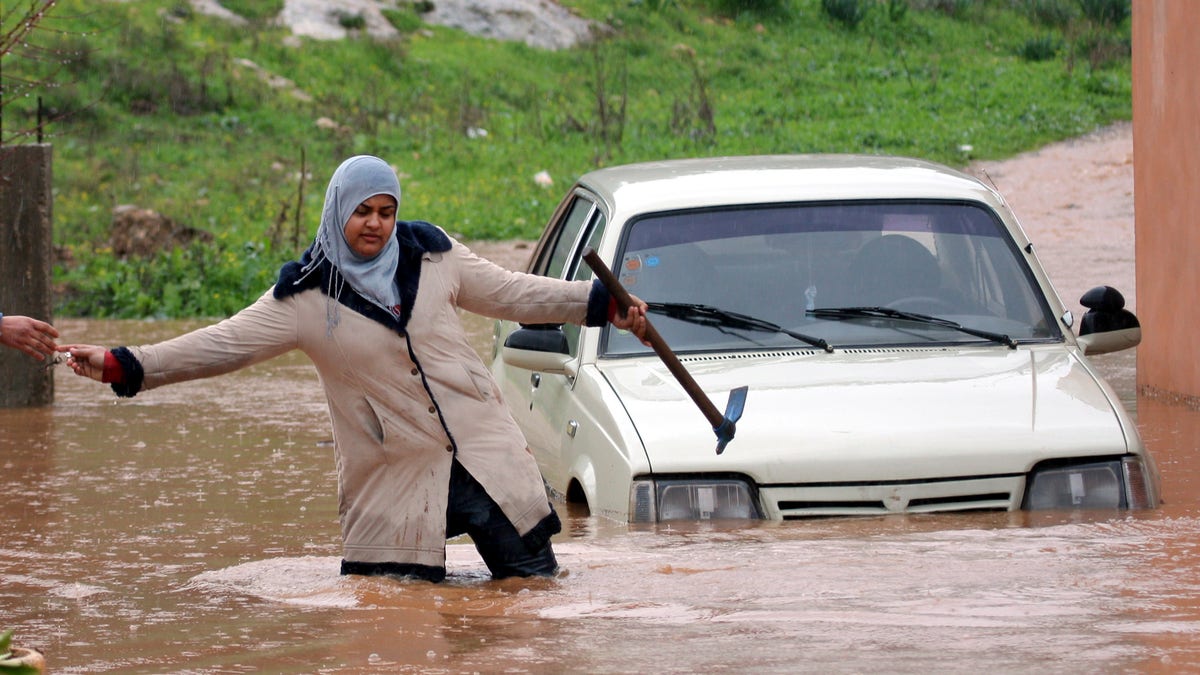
(357, 179)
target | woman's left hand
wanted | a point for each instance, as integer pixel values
(86, 360)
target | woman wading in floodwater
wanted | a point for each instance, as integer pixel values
(425, 448)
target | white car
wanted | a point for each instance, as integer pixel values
(903, 350)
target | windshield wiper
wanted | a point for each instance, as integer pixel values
(899, 315)
(707, 315)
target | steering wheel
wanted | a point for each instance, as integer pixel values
(923, 304)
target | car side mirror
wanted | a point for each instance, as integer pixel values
(541, 348)
(1107, 326)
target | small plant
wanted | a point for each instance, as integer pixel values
(735, 7)
(351, 21)
(700, 107)
(253, 10)
(1040, 48)
(897, 10)
(1103, 50)
(951, 8)
(610, 107)
(406, 20)
(655, 5)
(11, 659)
(1053, 13)
(35, 38)
(849, 13)
(1106, 12)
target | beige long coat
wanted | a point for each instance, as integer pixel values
(400, 405)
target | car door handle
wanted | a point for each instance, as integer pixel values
(535, 380)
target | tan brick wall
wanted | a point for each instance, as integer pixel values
(1166, 177)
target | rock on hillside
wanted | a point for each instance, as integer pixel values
(537, 23)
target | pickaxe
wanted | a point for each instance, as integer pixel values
(723, 426)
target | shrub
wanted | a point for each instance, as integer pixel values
(253, 10)
(1040, 48)
(733, 7)
(1054, 13)
(1106, 12)
(897, 10)
(660, 5)
(951, 8)
(849, 13)
(351, 21)
(11, 664)
(404, 20)
(147, 88)
(202, 279)
(1102, 50)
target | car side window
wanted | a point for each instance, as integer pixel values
(563, 247)
(561, 255)
(579, 269)
(581, 272)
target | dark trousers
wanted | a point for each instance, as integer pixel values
(470, 510)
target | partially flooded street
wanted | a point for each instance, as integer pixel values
(194, 529)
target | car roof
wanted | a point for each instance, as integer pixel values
(674, 184)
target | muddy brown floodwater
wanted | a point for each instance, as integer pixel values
(194, 529)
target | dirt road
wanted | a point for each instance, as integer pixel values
(1075, 201)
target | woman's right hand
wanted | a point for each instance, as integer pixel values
(85, 360)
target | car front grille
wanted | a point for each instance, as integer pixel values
(993, 493)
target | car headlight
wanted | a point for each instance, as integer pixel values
(654, 500)
(1124, 483)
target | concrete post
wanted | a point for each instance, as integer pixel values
(1166, 173)
(26, 240)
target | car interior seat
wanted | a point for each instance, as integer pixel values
(893, 267)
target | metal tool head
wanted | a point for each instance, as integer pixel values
(733, 412)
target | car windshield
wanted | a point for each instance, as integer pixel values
(851, 274)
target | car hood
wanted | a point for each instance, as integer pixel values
(875, 414)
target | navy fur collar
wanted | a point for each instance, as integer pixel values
(416, 239)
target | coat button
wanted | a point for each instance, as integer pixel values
(449, 448)
(432, 409)
(415, 371)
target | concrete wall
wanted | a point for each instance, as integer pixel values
(1166, 178)
(25, 265)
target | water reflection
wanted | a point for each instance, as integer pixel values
(194, 529)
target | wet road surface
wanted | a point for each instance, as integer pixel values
(194, 529)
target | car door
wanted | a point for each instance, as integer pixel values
(542, 402)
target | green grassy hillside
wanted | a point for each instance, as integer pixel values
(163, 108)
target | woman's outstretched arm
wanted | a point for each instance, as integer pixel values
(261, 331)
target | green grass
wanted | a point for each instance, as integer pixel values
(159, 110)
